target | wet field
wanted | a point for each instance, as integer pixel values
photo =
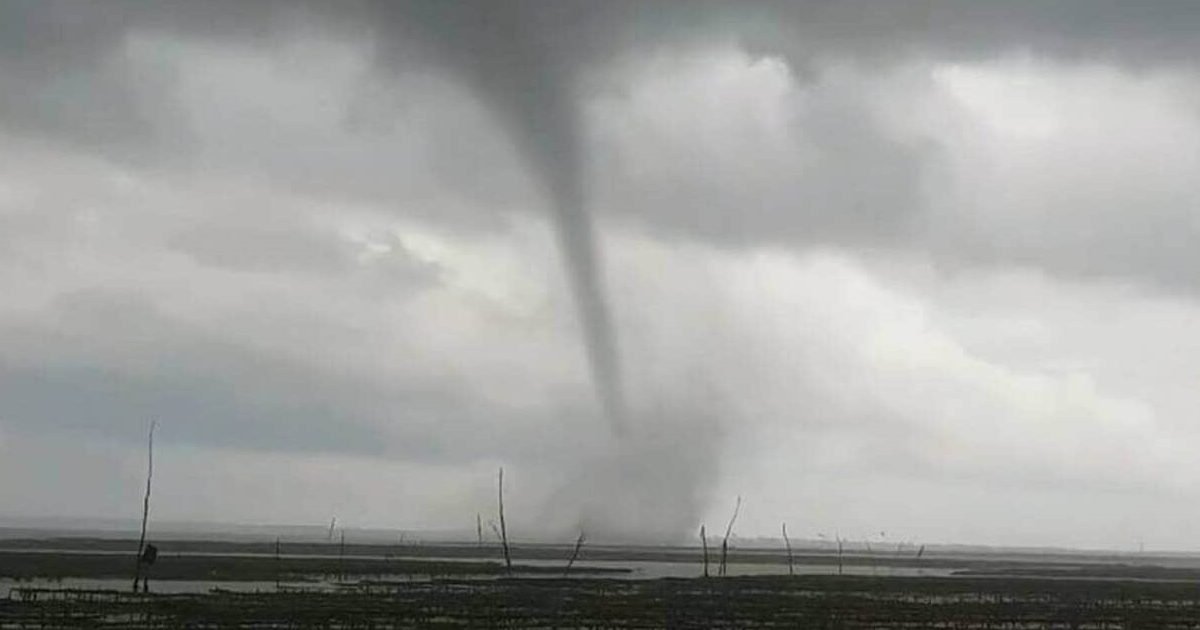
(107, 563)
(731, 602)
(85, 583)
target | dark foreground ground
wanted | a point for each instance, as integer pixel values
(732, 602)
(323, 585)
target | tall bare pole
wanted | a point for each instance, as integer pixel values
(704, 544)
(137, 573)
(503, 529)
(786, 541)
(574, 554)
(729, 530)
(479, 528)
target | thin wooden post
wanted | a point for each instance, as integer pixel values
(729, 530)
(788, 543)
(137, 573)
(574, 554)
(503, 529)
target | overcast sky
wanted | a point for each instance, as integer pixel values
(927, 268)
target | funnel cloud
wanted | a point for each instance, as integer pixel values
(509, 57)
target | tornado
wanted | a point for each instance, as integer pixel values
(545, 125)
(524, 71)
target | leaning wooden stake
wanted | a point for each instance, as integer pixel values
(137, 573)
(704, 544)
(788, 543)
(574, 554)
(729, 530)
(503, 530)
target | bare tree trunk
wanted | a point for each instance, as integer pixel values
(839, 543)
(704, 544)
(479, 529)
(503, 529)
(574, 554)
(137, 573)
(729, 530)
(788, 543)
(276, 563)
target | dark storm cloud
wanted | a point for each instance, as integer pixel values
(68, 60)
(63, 75)
(1105, 30)
(833, 178)
(68, 76)
(104, 79)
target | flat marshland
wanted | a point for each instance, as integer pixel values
(85, 583)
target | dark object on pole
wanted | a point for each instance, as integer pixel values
(149, 554)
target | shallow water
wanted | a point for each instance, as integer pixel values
(638, 570)
(157, 586)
